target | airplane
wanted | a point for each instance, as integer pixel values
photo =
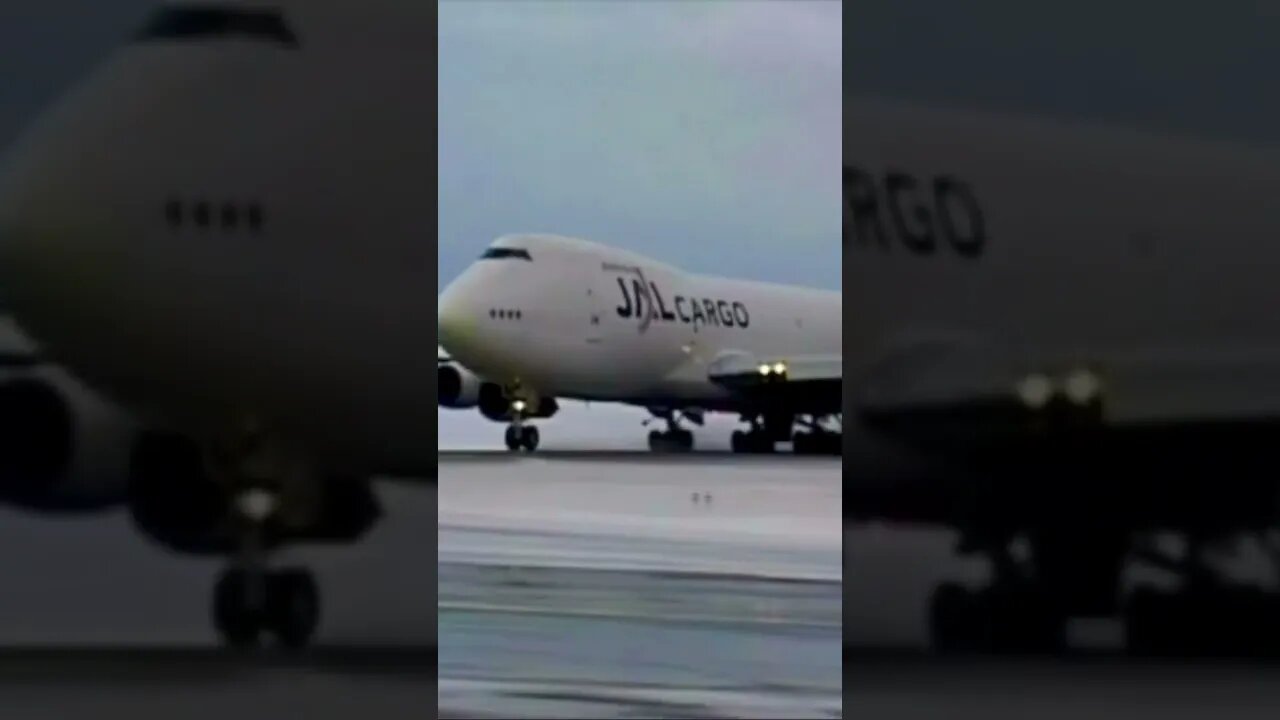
(1063, 334)
(230, 207)
(542, 317)
(1065, 351)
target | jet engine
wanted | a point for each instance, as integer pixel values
(63, 449)
(456, 387)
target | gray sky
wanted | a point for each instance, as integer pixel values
(703, 133)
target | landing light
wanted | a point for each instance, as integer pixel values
(1035, 390)
(1082, 386)
(774, 369)
(518, 406)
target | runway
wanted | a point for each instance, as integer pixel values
(624, 585)
(94, 621)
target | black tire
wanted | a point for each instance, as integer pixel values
(1147, 629)
(235, 621)
(739, 442)
(762, 444)
(293, 607)
(803, 443)
(656, 442)
(530, 438)
(684, 440)
(954, 620)
(513, 438)
(1025, 619)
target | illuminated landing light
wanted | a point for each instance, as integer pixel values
(1035, 391)
(778, 369)
(519, 406)
(1082, 387)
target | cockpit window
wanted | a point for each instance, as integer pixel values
(209, 22)
(501, 253)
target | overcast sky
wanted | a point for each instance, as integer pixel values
(703, 133)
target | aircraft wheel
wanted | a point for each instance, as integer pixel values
(657, 442)
(954, 620)
(529, 438)
(671, 442)
(1022, 619)
(234, 617)
(514, 439)
(684, 440)
(1150, 622)
(807, 443)
(999, 619)
(751, 443)
(293, 607)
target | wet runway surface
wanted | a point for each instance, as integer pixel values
(614, 586)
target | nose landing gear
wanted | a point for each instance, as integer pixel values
(247, 598)
(519, 435)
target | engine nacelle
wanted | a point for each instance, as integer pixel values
(456, 387)
(63, 448)
(495, 405)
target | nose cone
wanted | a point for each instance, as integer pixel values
(47, 258)
(62, 233)
(456, 318)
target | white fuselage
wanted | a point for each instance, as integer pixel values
(1153, 259)
(571, 318)
(317, 319)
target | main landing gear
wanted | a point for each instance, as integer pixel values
(1025, 608)
(249, 600)
(676, 439)
(769, 430)
(1207, 614)
(1015, 612)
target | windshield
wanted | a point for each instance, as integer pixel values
(501, 253)
(197, 22)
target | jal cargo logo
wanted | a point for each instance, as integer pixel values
(920, 214)
(643, 300)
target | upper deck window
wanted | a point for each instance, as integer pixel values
(499, 253)
(208, 22)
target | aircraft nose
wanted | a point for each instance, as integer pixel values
(455, 317)
(53, 250)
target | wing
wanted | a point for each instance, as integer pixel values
(940, 405)
(982, 391)
(810, 383)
